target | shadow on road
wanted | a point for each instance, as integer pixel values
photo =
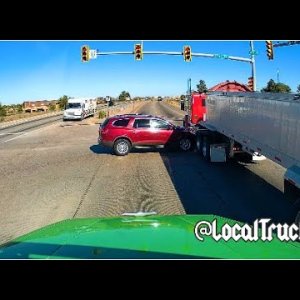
(98, 149)
(225, 189)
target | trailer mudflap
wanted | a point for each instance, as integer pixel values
(218, 153)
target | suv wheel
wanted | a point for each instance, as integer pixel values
(185, 144)
(122, 147)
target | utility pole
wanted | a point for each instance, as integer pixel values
(253, 68)
(188, 96)
(107, 101)
(189, 86)
(278, 76)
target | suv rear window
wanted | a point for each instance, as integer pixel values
(121, 123)
(104, 123)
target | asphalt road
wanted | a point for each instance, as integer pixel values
(58, 172)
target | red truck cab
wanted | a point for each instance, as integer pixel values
(198, 108)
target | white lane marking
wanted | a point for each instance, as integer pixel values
(10, 133)
(26, 133)
(14, 138)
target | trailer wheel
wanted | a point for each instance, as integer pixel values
(206, 147)
(199, 144)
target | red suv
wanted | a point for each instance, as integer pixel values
(122, 132)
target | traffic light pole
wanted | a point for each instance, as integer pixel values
(253, 65)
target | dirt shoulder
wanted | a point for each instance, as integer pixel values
(173, 103)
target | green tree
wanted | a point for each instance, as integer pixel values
(124, 95)
(52, 107)
(201, 87)
(19, 108)
(282, 88)
(62, 101)
(298, 88)
(273, 87)
(2, 111)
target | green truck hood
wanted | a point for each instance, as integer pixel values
(139, 237)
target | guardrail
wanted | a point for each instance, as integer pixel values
(117, 104)
(7, 124)
(30, 119)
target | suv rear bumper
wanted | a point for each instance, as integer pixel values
(105, 143)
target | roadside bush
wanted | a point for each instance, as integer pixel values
(52, 107)
(102, 114)
(2, 111)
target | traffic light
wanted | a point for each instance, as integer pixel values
(85, 53)
(138, 52)
(270, 52)
(187, 53)
(250, 83)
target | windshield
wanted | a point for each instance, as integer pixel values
(88, 135)
(73, 105)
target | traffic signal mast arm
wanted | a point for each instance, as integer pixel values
(237, 58)
(290, 43)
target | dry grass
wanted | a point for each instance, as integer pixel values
(174, 103)
(22, 116)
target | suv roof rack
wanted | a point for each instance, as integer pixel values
(137, 114)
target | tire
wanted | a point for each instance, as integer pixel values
(206, 148)
(185, 144)
(199, 144)
(122, 147)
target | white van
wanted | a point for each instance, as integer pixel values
(79, 109)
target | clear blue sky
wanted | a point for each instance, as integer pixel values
(37, 70)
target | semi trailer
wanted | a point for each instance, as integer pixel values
(257, 124)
